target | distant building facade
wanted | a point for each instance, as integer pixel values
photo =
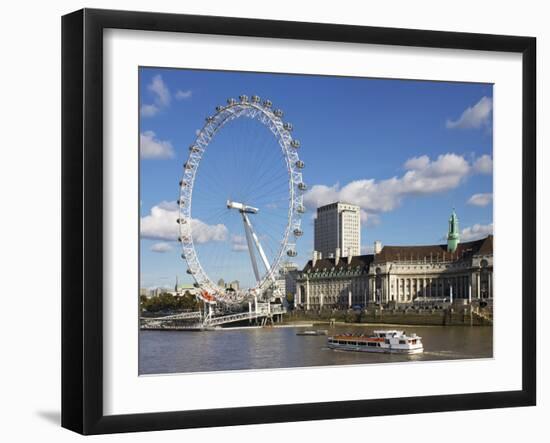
(144, 292)
(338, 227)
(286, 280)
(233, 285)
(335, 283)
(400, 275)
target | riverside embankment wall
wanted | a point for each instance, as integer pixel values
(443, 317)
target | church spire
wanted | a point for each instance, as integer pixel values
(453, 236)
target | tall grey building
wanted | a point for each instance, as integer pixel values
(338, 227)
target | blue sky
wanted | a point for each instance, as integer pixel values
(406, 151)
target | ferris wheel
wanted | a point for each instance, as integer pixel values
(240, 202)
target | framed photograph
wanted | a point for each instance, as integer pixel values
(269, 221)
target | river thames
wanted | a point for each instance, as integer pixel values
(163, 352)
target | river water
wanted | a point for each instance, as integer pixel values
(163, 352)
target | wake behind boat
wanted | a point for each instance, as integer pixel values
(387, 341)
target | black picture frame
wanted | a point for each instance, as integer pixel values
(82, 218)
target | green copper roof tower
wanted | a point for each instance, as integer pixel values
(453, 237)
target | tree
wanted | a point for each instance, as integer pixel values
(167, 301)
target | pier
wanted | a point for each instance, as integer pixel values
(199, 320)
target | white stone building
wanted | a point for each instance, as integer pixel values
(403, 274)
(397, 275)
(335, 283)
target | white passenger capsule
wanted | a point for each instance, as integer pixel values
(268, 104)
(256, 99)
(278, 113)
(194, 148)
(183, 184)
(219, 108)
(301, 209)
(180, 202)
(302, 186)
(181, 221)
(243, 98)
(231, 101)
(288, 126)
(210, 119)
(298, 232)
(291, 253)
(189, 271)
(295, 144)
(300, 164)
(188, 165)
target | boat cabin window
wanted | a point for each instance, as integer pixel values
(402, 342)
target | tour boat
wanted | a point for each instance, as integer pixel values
(388, 341)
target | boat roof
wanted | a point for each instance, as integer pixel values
(370, 337)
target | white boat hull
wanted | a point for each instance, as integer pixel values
(381, 350)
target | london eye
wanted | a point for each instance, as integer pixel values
(240, 202)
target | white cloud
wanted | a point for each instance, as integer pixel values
(238, 243)
(149, 110)
(204, 233)
(161, 247)
(152, 147)
(162, 97)
(161, 224)
(183, 95)
(422, 177)
(367, 219)
(417, 163)
(476, 232)
(476, 116)
(160, 90)
(320, 195)
(480, 199)
(484, 164)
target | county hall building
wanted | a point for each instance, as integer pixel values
(397, 275)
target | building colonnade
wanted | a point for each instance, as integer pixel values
(404, 288)
(399, 288)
